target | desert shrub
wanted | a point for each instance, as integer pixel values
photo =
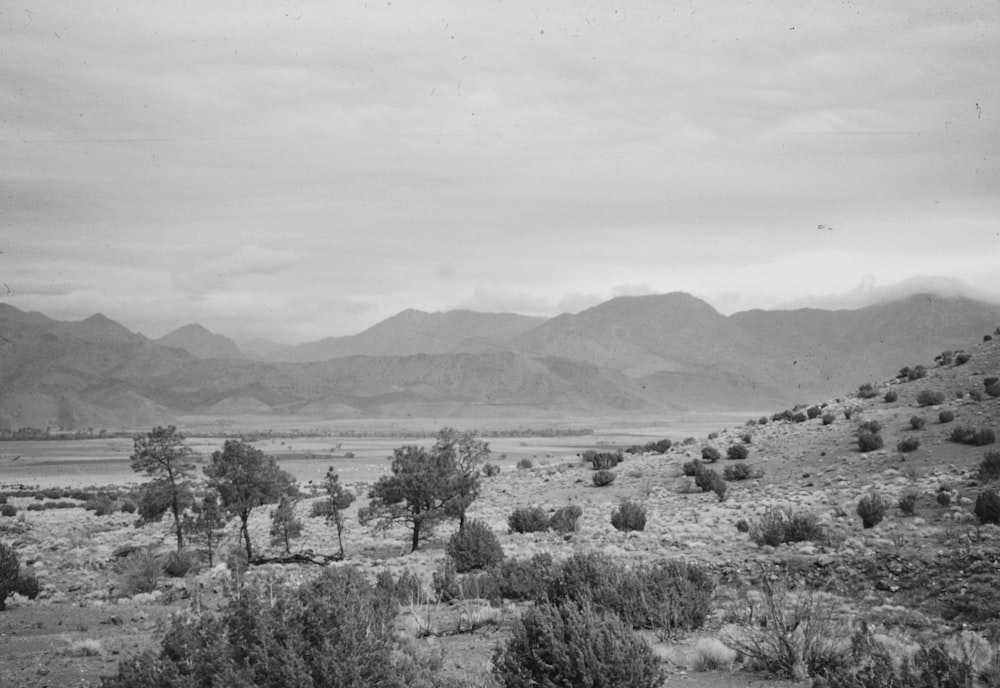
(946, 416)
(975, 395)
(989, 468)
(128, 507)
(917, 423)
(908, 444)
(962, 358)
(869, 441)
(713, 435)
(532, 519)
(491, 470)
(737, 451)
(572, 645)
(966, 435)
(890, 396)
(524, 579)
(799, 417)
(475, 546)
(603, 478)
(987, 507)
(743, 525)
(762, 420)
(943, 498)
(525, 464)
(780, 524)
(867, 391)
(13, 578)
(872, 426)
(629, 515)
(404, 589)
(710, 481)
(27, 584)
(788, 632)
(785, 415)
(710, 454)
(101, 506)
(141, 571)
(944, 358)
(36, 506)
(689, 468)
(814, 412)
(994, 390)
(908, 502)
(334, 630)
(658, 446)
(602, 461)
(179, 564)
(990, 381)
(828, 418)
(740, 471)
(930, 397)
(565, 520)
(8, 510)
(871, 509)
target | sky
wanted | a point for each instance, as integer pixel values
(297, 170)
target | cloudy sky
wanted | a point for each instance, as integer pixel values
(303, 169)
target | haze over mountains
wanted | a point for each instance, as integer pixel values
(638, 356)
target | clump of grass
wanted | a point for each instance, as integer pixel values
(946, 416)
(711, 654)
(917, 422)
(141, 571)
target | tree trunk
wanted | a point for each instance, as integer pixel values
(246, 535)
(340, 530)
(416, 536)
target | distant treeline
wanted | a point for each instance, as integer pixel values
(28, 434)
(398, 434)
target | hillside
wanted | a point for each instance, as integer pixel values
(200, 342)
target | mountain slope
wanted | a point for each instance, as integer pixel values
(201, 342)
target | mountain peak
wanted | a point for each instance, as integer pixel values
(199, 341)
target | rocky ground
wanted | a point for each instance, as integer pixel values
(928, 574)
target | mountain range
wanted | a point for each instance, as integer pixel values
(636, 356)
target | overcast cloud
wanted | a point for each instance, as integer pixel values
(304, 169)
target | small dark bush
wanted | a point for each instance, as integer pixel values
(943, 498)
(872, 426)
(917, 423)
(628, 516)
(10, 573)
(987, 507)
(603, 461)
(994, 390)
(491, 470)
(37, 506)
(908, 502)
(962, 358)
(871, 509)
(930, 397)
(179, 564)
(603, 478)
(743, 526)
(525, 465)
(740, 471)
(475, 546)
(977, 438)
(572, 645)
(746, 438)
(828, 418)
(737, 451)
(659, 446)
(564, 520)
(762, 420)
(8, 510)
(944, 358)
(713, 435)
(532, 519)
(908, 444)
(799, 417)
(869, 441)
(690, 468)
(989, 469)
(27, 584)
(890, 396)
(867, 391)
(710, 454)
(708, 480)
(946, 416)
(850, 411)
(990, 381)
(128, 507)
(814, 412)
(917, 373)
(780, 524)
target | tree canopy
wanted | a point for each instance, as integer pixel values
(162, 455)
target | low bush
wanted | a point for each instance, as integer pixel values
(8, 510)
(570, 645)
(781, 524)
(977, 438)
(871, 509)
(629, 516)
(867, 391)
(814, 412)
(917, 423)
(179, 564)
(658, 446)
(943, 499)
(746, 438)
(869, 441)
(908, 502)
(491, 470)
(737, 451)
(930, 397)
(946, 416)
(743, 525)
(987, 507)
(890, 396)
(962, 358)
(603, 478)
(532, 519)
(740, 471)
(975, 395)
(993, 390)
(525, 465)
(710, 481)
(989, 468)
(872, 426)
(13, 579)
(828, 418)
(475, 546)
(141, 571)
(689, 468)
(565, 520)
(710, 454)
(908, 444)
(799, 417)
(990, 381)
(603, 461)
(849, 412)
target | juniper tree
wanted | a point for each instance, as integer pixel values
(162, 455)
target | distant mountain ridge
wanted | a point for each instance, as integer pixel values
(630, 356)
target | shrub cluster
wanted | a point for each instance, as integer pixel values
(908, 444)
(534, 519)
(602, 461)
(871, 509)
(737, 451)
(813, 412)
(930, 397)
(740, 471)
(652, 447)
(867, 391)
(474, 546)
(629, 515)
(977, 438)
(910, 374)
(828, 418)
(781, 524)
(14, 579)
(987, 507)
(989, 468)
(946, 416)
(603, 478)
